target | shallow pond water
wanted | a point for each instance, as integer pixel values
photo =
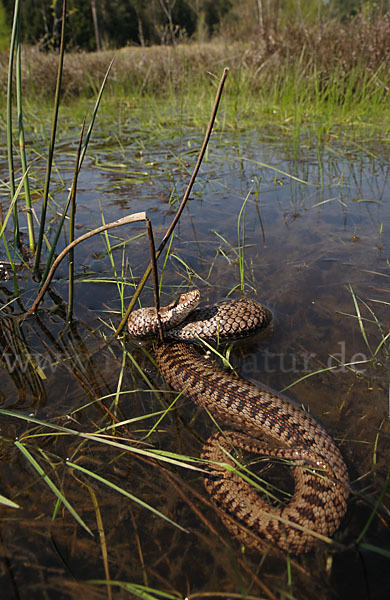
(310, 228)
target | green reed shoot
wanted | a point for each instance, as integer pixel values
(241, 242)
(72, 225)
(22, 146)
(80, 162)
(51, 145)
(9, 123)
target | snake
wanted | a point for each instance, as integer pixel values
(265, 423)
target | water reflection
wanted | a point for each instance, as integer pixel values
(313, 246)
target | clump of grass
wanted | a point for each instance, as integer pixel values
(329, 70)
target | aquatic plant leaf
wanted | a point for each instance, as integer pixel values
(116, 488)
(52, 486)
(7, 502)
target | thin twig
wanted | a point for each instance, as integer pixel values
(129, 219)
(182, 205)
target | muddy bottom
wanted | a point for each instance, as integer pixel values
(80, 421)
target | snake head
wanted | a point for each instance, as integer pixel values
(142, 323)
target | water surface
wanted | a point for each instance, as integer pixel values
(312, 227)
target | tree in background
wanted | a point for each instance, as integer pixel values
(41, 22)
(114, 23)
(93, 24)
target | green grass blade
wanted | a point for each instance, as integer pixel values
(241, 241)
(6, 502)
(374, 510)
(52, 486)
(12, 204)
(2, 235)
(381, 343)
(120, 490)
(264, 165)
(332, 368)
(139, 591)
(183, 461)
(371, 548)
(360, 319)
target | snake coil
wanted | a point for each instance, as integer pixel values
(321, 484)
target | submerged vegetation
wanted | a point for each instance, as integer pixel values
(100, 465)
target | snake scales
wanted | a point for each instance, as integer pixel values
(321, 484)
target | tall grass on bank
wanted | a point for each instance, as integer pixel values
(338, 73)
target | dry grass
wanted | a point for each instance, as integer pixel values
(330, 45)
(328, 48)
(147, 69)
(317, 68)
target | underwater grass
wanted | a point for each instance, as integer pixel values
(250, 107)
(29, 438)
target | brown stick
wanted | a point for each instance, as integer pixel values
(182, 204)
(129, 219)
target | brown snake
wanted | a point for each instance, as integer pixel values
(321, 484)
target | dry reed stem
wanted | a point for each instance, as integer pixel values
(182, 204)
(123, 221)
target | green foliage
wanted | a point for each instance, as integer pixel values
(5, 31)
(119, 22)
(346, 9)
(128, 22)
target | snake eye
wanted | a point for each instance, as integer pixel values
(189, 297)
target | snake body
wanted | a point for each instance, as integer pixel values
(321, 484)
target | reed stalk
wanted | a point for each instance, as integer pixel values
(22, 146)
(81, 159)
(182, 205)
(124, 221)
(52, 141)
(11, 168)
(72, 217)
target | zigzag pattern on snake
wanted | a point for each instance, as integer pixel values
(321, 484)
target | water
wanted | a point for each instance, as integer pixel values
(314, 236)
